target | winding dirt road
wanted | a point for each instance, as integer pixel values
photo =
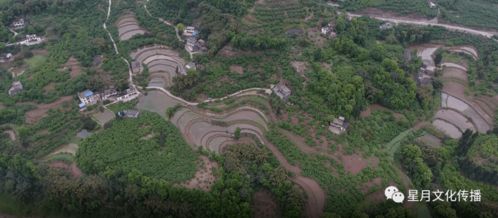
(315, 194)
(245, 92)
(425, 22)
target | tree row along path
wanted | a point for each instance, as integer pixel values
(315, 194)
(424, 22)
(245, 92)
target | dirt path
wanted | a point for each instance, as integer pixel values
(105, 27)
(130, 72)
(250, 91)
(425, 22)
(315, 194)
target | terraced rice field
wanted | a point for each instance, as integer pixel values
(208, 130)
(447, 128)
(216, 131)
(460, 112)
(128, 27)
(162, 62)
(471, 51)
(456, 71)
(156, 101)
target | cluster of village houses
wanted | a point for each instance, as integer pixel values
(193, 42)
(89, 98)
(29, 39)
(337, 126)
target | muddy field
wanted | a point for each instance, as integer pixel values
(458, 72)
(156, 101)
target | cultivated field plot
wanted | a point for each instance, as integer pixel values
(429, 140)
(162, 62)
(455, 117)
(459, 111)
(455, 71)
(216, 131)
(156, 101)
(104, 117)
(41, 110)
(128, 27)
(468, 50)
(482, 121)
(449, 129)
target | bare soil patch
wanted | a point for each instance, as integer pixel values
(315, 36)
(204, 178)
(49, 88)
(70, 168)
(237, 69)
(74, 67)
(18, 71)
(356, 163)
(300, 67)
(12, 134)
(264, 205)
(316, 196)
(454, 88)
(326, 66)
(430, 140)
(35, 115)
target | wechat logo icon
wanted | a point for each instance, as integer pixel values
(392, 192)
